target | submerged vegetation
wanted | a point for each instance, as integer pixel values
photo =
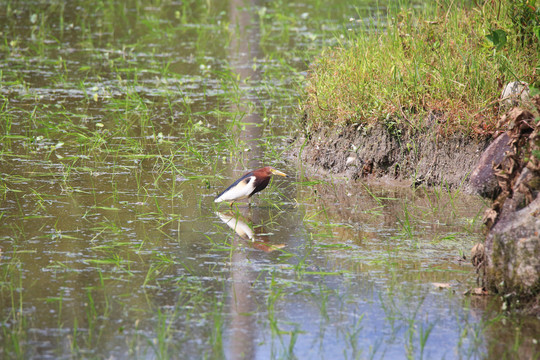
(449, 59)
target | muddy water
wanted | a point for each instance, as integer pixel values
(122, 121)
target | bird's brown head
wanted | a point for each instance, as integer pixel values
(268, 171)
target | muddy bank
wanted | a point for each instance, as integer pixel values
(505, 168)
(388, 151)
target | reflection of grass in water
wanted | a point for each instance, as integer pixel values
(15, 322)
(409, 319)
(216, 337)
(280, 329)
(407, 227)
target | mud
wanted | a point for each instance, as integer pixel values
(390, 152)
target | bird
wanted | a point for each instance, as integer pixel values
(248, 185)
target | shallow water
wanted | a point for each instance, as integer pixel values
(122, 121)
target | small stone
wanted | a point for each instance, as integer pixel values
(483, 181)
(515, 91)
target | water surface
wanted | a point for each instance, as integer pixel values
(120, 123)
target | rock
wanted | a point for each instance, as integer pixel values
(513, 249)
(513, 241)
(350, 160)
(515, 91)
(483, 181)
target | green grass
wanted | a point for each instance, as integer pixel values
(434, 60)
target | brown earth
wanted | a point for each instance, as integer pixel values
(387, 151)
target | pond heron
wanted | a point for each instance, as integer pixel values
(249, 184)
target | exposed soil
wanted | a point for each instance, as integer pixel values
(387, 151)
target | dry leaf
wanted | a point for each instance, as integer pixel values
(478, 254)
(479, 292)
(441, 285)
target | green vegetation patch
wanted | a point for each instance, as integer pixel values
(448, 60)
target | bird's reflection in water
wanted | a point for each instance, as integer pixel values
(244, 229)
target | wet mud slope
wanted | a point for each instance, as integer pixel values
(390, 152)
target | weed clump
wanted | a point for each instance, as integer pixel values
(452, 62)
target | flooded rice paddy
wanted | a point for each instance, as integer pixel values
(120, 123)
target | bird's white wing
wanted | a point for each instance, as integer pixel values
(238, 191)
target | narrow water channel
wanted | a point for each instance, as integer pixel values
(120, 123)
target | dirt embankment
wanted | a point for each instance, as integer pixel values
(391, 152)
